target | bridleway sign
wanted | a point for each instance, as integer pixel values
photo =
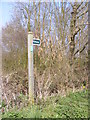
(36, 41)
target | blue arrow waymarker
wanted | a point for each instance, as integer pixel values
(36, 42)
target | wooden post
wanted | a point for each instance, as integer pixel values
(30, 67)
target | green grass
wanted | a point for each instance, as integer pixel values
(75, 105)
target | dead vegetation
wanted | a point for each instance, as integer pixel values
(60, 63)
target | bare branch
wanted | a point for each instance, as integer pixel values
(82, 7)
(80, 51)
(79, 5)
(76, 31)
(82, 14)
(83, 47)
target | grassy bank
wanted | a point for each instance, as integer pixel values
(75, 105)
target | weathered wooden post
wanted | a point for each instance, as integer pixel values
(31, 41)
(30, 67)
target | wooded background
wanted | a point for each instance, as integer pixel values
(60, 63)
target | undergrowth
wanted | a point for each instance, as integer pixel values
(75, 105)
